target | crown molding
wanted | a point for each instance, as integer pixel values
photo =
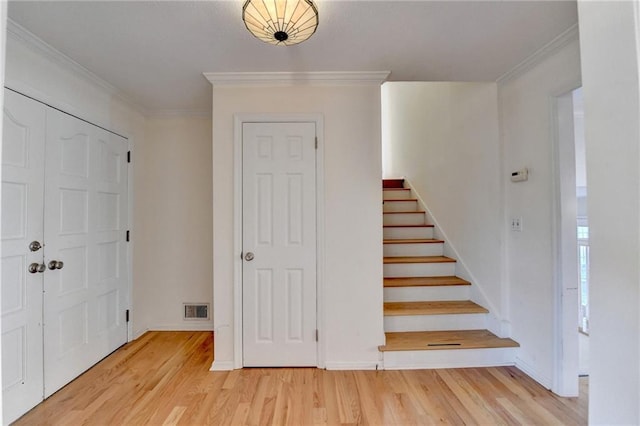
(169, 113)
(322, 78)
(20, 34)
(569, 35)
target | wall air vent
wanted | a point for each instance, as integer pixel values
(196, 311)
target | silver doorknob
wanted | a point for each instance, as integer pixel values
(37, 267)
(35, 246)
(56, 264)
(248, 257)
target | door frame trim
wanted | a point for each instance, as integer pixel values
(238, 121)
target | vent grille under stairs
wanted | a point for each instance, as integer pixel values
(428, 317)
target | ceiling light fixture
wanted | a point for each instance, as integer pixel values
(280, 22)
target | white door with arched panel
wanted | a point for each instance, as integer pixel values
(23, 146)
(279, 244)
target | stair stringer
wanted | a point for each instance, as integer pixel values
(494, 321)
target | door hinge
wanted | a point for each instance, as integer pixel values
(317, 334)
(128, 156)
(128, 235)
(127, 315)
(316, 142)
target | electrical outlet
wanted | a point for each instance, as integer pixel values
(516, 224)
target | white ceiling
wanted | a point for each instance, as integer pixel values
(155, 52)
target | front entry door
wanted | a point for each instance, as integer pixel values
(279, 244)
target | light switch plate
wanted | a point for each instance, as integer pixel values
(516, 224)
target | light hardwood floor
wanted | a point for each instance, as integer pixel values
(163, 378)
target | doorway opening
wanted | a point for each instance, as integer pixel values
(572, 245)
(582, 231)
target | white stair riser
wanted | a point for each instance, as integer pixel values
(400, 206)
(435, 322)
(410, 294)
(404, 219)
(396, 195)
(448, 358)
(407, 233)
(418, 249)
(419, 269)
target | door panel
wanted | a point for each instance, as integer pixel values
(85, 226)
(279, 229)
(22, 222)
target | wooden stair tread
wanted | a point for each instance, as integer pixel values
(396, 189)
(439, 340)
(418, 259)
(406, 212)
(424, 281)
(400, 200)
(413, 241)
(441, 307)
(408, 226)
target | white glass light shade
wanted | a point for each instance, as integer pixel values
(281, 22)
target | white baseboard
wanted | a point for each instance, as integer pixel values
(200, 326)
(138, 334)
(532, 372)
(351, 365)
(222, 366)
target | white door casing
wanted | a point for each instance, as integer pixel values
(22, 222)
(279, 230)
(85, 228)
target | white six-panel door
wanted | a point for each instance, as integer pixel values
(64, 184)
(279, 244)
(22, 223)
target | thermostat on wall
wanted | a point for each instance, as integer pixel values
(520, 175)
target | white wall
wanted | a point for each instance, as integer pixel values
(443, 137)
(3, 39)
(609, 44)
(351, 324)
(173, 222)
(525, 102)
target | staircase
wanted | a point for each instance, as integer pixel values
(428, 318)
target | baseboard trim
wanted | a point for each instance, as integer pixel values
(531, 371)
(138, 334)
(208, 326)
(351, 365)
(222, 366)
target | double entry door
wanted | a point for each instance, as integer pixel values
(279, 244)
(64, 253)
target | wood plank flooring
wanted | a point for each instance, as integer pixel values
(163, 378)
